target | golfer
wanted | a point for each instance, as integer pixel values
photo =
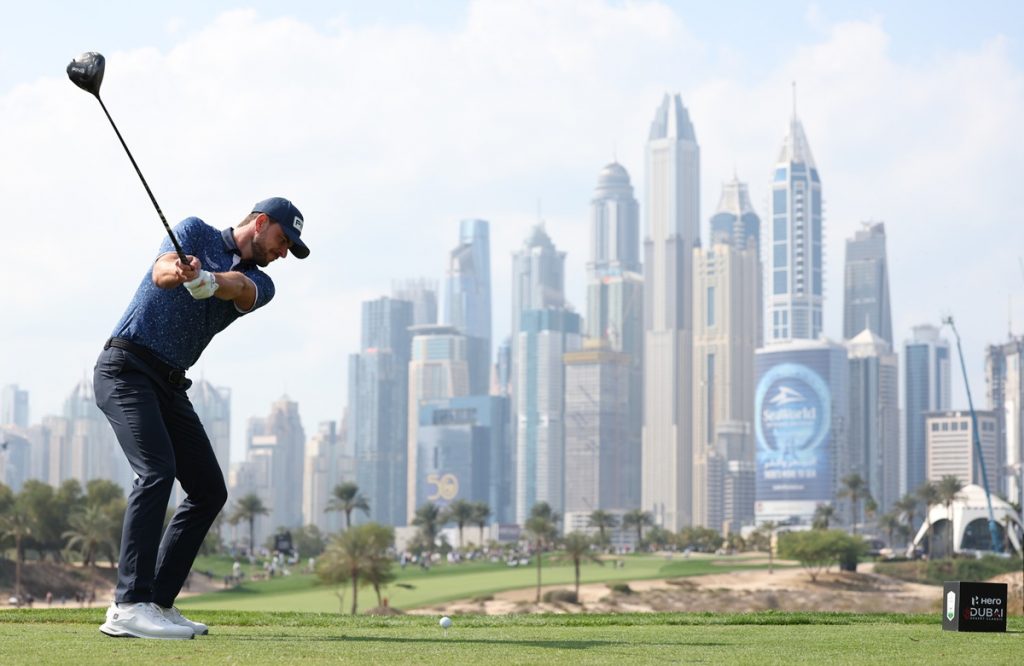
(141, 387)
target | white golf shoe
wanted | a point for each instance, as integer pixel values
(175, 617)
(142, 620)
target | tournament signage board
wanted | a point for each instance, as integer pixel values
(968, 606)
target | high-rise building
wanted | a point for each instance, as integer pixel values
(1004, 375)
(735, 223)
(801, 404)
(14, 406)
(950, 445)
(873, 435)
(378, 390)
(602, 465)
(326, 467)
(15, 456)
(438, 370)
(544, 336)
(90, 448)
(794, 254)
(726, 332)
(275, 457)
(422, 293)
(926, 388)
(672, 230)
(468, 299)
(464, 453)
(866, 293)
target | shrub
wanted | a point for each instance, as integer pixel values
(620, 588)
(817, 550)
(563, 596)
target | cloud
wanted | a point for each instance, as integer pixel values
(387, 135)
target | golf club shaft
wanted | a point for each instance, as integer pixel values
(174, 241)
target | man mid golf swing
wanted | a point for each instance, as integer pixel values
(140, 386)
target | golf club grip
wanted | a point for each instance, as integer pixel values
(174, 241)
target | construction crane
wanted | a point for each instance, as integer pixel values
(996, 546)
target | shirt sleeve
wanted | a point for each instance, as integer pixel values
(188, 233)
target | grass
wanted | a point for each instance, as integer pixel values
(71, 636)
(417, 588)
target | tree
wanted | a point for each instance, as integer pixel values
(357, 556)
(928, 493)
(639, 519)
(817, 550)
(309, 541)
(481, 514)
(603, 521)
(824, 514)
(428, 519)
(700, 539)
(47, 517)
(890, 522)
(379, 572)
(949, 488)
(853, 486)
(768, 528)
(459, 512)
(660, 538)
(907, 507)
(17, 524)
(247, 508)
(90, 534)
(577, 549)
(346, 498)
(541, 528)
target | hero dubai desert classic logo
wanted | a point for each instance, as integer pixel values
(984, 609)
(951, 605)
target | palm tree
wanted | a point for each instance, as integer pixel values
(907, 506)
(90, 533)
(824, 514)
(928, 493)
(481, 514)
(18, 525)
(949, 490)
(247, 508)
(639, 519)
(853, 486)
(459, 512)
(378, 572)
(890, 522)
(347, 498)
(576, 547)
(769, 527)
(603, 521)
(428, 519)
(541, 526)
(356, 556)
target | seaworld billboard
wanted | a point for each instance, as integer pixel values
(800, 411)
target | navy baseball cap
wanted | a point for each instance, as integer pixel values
(285, 213)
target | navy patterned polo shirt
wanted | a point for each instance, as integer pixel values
(172, 324)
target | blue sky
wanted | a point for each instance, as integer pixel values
(388, 122)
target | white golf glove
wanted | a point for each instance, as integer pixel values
(203, 286)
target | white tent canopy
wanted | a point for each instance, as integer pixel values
(969, 507)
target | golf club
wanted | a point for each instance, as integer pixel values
(86, 72)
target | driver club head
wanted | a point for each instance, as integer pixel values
(86, 72)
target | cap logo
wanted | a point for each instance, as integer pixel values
(297, 224)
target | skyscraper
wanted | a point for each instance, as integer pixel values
(672, 230)
(726, 332)
(378, 392)
(14, 406)
(874, 430)
(468, 299)
(926, 389)
(866, 292)
(1004, 375)
(438, 369)
(422, 293)
(794, 252)
(544, 336)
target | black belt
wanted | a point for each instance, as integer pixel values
(174, 376)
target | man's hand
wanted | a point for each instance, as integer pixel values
(187, 272)
(202, 286)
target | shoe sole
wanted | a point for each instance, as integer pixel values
(115, 633)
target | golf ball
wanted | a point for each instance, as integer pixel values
(445, 622)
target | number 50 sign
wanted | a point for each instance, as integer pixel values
(446, 486)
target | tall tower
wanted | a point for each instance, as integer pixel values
(672, 230)
(866, 285)
(726, 332)
(926, 389)
(1004, 375)
(378, 403)
(468, 299)
(794, 252)
(13, 406)
(422, 293)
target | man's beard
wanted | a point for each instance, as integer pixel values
(259, 253)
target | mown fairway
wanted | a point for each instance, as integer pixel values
(71, 637)
(416, 587)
